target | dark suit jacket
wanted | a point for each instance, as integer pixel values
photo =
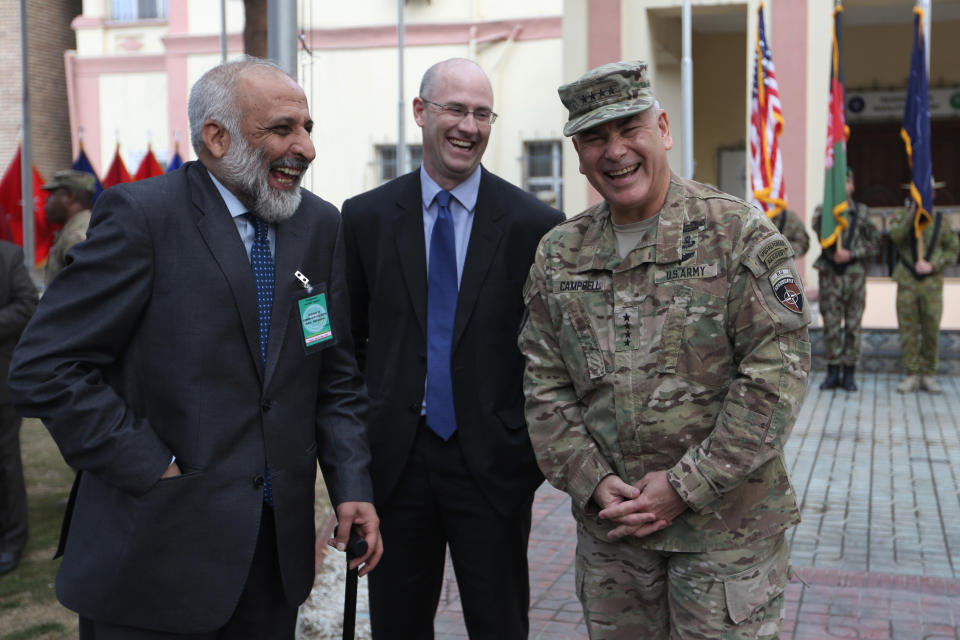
(146, 346)
(387, 275)
(18, 300)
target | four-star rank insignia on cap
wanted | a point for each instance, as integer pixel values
(788, 292)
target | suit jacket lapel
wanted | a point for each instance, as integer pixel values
(484, 239)
(291, 244)
(408, 235)
(220, 234)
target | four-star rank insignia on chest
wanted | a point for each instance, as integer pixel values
(788, 292)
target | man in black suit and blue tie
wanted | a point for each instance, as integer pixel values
(194, 361)
(436, 262)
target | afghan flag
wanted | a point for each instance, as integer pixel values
(835, 175)
(916, 130)
(117, 172)
(82, 163)
(149, 167)
(11, 211)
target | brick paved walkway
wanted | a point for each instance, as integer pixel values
(876, 474)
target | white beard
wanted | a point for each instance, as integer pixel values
(243, 168)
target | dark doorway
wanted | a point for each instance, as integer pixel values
(876, 154)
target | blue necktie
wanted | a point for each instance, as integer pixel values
(441, 309)
(263, 275)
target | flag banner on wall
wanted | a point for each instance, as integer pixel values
(766, 125)
(916, 130)
(149, 167)
(835, 174)
(11, 212)
(117, 172)
(82, 163)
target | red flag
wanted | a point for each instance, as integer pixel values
(11, 211)
(766, 124)
(149, 167)
(117, 172)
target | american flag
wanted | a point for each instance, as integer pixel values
(767, 191)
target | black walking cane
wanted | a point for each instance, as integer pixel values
(356, 547)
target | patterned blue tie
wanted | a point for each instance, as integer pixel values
(263, 275)
(441, 308)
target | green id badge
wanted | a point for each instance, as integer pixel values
(315, 321)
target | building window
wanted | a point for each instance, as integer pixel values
(130, 10)
(387, 160)
(543, 171)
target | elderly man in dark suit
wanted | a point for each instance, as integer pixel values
(194, 362)
(436, 261)
(18, 300)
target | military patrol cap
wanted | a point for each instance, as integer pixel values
(73, 180)
(609, 92)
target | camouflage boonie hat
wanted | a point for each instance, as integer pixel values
(609, 92)
(73, 180)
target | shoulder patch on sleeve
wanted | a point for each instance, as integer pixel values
(768, 254)
(787, 290)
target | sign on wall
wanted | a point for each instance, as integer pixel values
(888, 105)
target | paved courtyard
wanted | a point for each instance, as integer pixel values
(879, 547)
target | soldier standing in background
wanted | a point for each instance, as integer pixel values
(791, 226)
(667, 358)
(919, 281)
(843, 291)
(68, 203)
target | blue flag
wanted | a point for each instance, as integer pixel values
(82, 163)
(175, 162)
(916, 130)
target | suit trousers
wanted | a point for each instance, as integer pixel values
(261, 614)
(13, 492)
(437, 502)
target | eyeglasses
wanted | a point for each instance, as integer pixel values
(482, 116)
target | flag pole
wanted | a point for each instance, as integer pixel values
(686, 80)
(26, 157)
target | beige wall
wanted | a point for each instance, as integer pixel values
(718, 105)
(878, 56)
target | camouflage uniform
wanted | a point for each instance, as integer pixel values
(74, 231)
(920, 298)
(791, 226)
(688, 355)
(843, 287)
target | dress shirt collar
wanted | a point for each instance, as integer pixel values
(466, 192)
(234, 206)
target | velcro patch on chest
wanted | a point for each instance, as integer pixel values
(561, 286)
(788, 292)
(686, 273)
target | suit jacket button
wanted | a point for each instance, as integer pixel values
(257, 482)
(267, 405)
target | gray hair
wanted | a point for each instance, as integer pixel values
(213, 97)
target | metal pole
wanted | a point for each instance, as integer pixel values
(26, 157)
(223, 30)
(282, 34)
(401, 126)
(686, 75)
(927, 9)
